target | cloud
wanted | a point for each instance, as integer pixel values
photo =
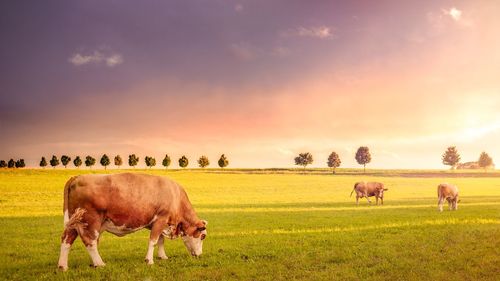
(320, 32)
(97, 57)
(457, 16)
(281, 52)
(238, 8)
(243, 51)
(113, 60)
(454, 13)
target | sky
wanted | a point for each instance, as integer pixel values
(259, 81)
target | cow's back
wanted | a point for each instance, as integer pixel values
(446, 190)
(126, 198)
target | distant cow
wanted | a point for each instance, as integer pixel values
(369, 189)
(124, 203)
(450, 193)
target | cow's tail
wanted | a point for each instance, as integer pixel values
(66, 199)
(354, 188)
(75, 221)
(74, 224)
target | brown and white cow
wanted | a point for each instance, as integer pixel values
(369, 189)
(124, 203)
(450, 193)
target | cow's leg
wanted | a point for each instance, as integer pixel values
(357, 200)
(67, 239)
(440, 204)
(376, 197)
(154, 236)
(382, 200)
(161, 248)
(450, 206)
(368, 199)
(90, 237)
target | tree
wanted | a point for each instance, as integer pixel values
(223, 161)
(118, 161)
(363, 156)
(333, 161)
(150, 161)
(11, 163)
(485, 160)
(43, 162)
(89, 161)
(20, 163)
(304, 159)
(3, 164)
(203, 161)
(105, 161)
(54, 161)
(166, 161)
(65, 159)
(77, 162)
(133, 160)
(183, 162)
(451, 157)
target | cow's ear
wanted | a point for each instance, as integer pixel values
(201, 225)
(385, 189)
(178, 230)
(204, 222)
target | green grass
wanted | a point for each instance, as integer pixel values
(272, 225)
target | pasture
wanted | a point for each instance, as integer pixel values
(271, 226)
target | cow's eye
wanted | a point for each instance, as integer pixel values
(203, 236)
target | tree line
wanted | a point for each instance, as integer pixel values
(362, 156)
(450, 157)
(12, 163)
(105, 161)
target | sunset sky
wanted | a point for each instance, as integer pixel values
(260, 81)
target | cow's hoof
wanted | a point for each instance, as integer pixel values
(149, 262)
(98, 265)
(63, 268)
(163, 257)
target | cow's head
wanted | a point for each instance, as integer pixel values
(381, 190)
(454, 203)
(193, 237)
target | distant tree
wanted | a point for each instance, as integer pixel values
(105, 161)
(118, 161)
(304, 159)
(485, 160)
(3, 164)
(166, 161)
(54, 161)
(183, 162)
(150, 161)
(363, 156)
(203, 161)
(133, 160)
(77, 162)
(333, 161)
(43, 162)
(223, 162)
(20, 163)
(11, 163)
(89, 161)
(451, 157)
(65, 159)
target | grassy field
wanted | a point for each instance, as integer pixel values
(272, 225)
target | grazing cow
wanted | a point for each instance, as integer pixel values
(124, 203)
(369, 189)
(450, 193)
